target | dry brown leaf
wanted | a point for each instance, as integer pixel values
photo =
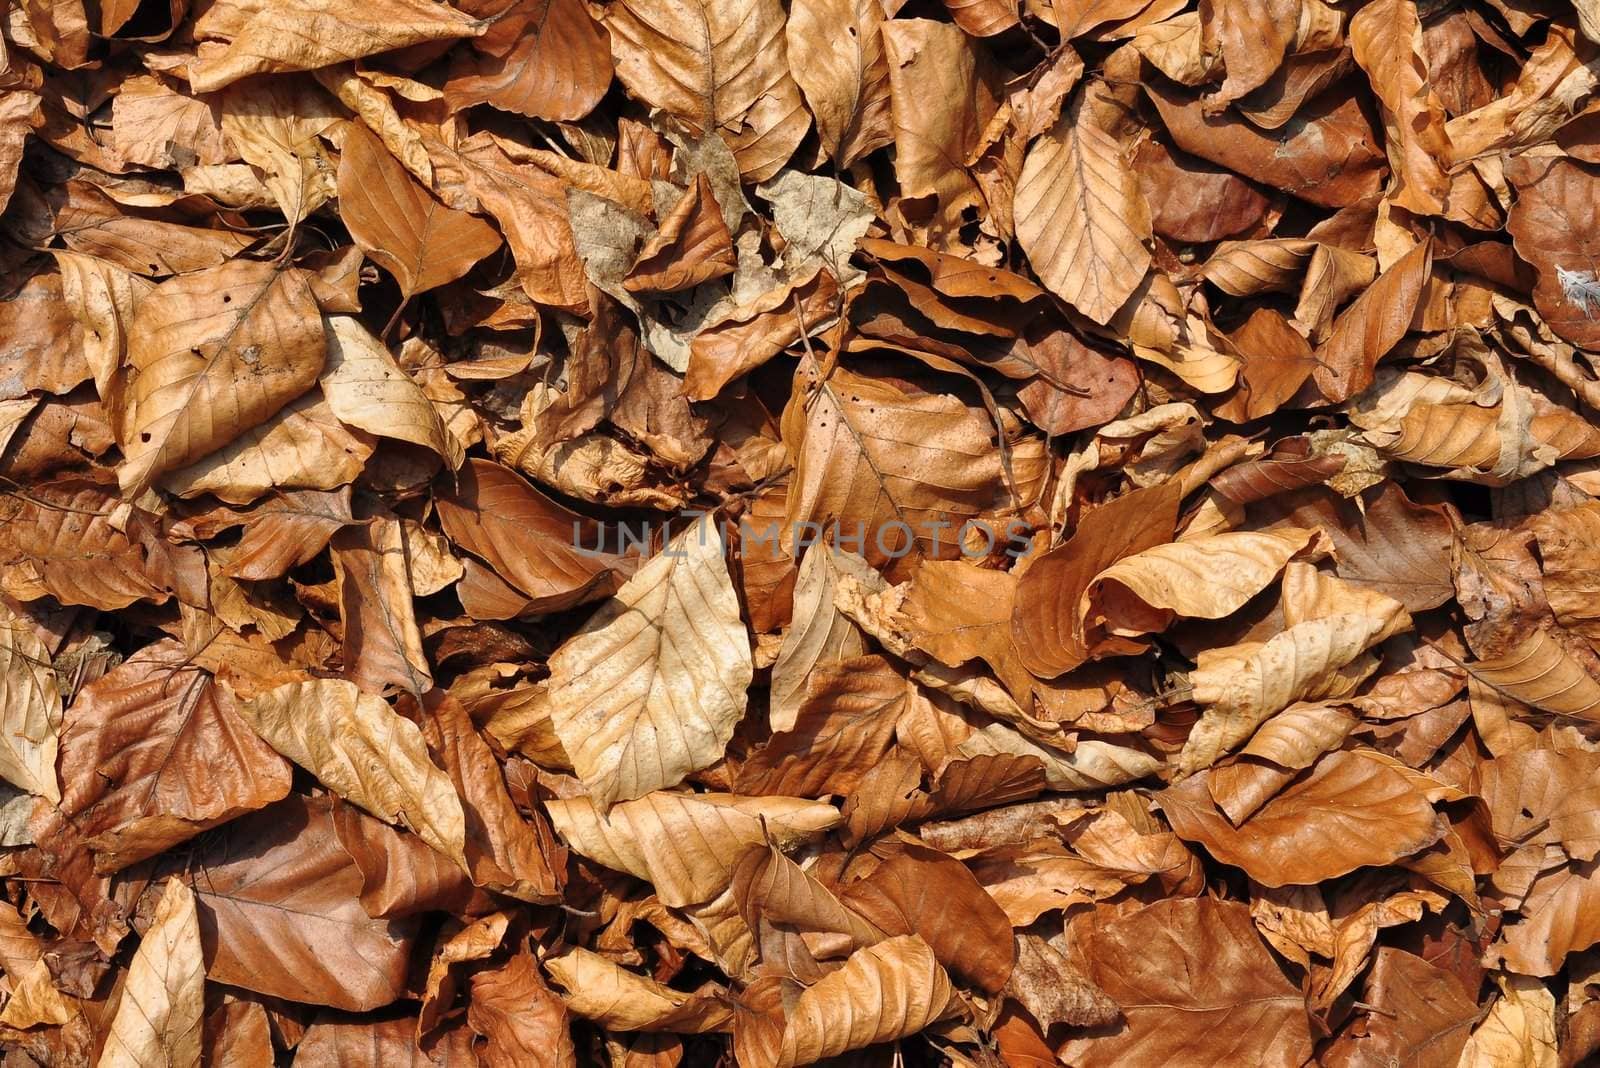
(916, 890)
(691, 247)
(1552, 196)
(842, 727)
(941, 100)
(718, 66)
(1420, 1015)
(1192, 978)
(531, 207)
(557, 66)
(281, 913)
(382, 645)
(1538, 672)
(1386, 39)
(1047, 623)
(620, 1000)
(367, 390)
(1350, 810)
(307, 34)
(304, 446)
(31, 721)
(154, 752)
(529, 540)
(1242, 685)
(1050, 988)
(216, 353)
(276, 126)
(401, 225)
(365, 752)
(819, 633)
(1197, 578)
(899, 474)
(653, 686)
(522, 1022)
(845, 77)
(1080, 215)
(1365, 331)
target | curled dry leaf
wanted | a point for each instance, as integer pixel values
(686, 845)
(529, 540)
(883, 992)
(367, 390)
(620, 1000)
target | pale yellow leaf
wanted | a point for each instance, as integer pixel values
(305, 446)
(364, 751)
(653, 686)
(158, 1019)
(1520, 1029)
(275, 125)
(1330, 624)
(30, 710)
(687, 845)
(620, 1000)
(366, 389)
(34, 998)
(819, 631)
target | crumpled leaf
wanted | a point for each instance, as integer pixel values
(883, 992)
(620, 1000)
(307, 34)
(686, 845)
